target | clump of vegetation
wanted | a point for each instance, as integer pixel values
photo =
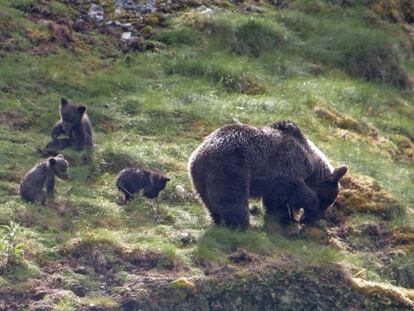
(11, 250)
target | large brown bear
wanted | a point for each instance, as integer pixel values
(277, 163)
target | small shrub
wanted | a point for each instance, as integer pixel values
(11, 252)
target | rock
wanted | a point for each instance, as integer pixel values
(96, 13)
(126, 36)
(130, 5)
(124, 26)
(341, 121)
(206, 11)
(363, 194)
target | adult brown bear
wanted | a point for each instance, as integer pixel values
(277, 163)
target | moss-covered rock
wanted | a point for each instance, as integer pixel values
(336, 119)
(363, 194)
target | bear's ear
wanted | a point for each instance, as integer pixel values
(64, 101)
(52, 161)
(59, 156)
(339, 173)
(81, 110)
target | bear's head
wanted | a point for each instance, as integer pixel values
(156, 184)
(70, 114)
(327, 190)
(59, 166)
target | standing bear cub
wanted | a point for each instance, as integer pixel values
(277, 163)
(31, 188)
(74, 122)
(132, 180)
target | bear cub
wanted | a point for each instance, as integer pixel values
(31, 188)
(74, 122)
(131, 180)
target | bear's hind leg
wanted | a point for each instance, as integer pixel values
(239, 220)
(228, 196)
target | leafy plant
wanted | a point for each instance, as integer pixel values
(11, 251)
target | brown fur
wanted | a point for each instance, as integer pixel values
(276, 163)
(43, 173)
(131, 180)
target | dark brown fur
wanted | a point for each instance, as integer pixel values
(43, 173)
(276, 163)
(74, 122)
(131, 180)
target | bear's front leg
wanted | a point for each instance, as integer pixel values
(276, 205)
(79, 138)
(301, 196)
(41, 198)
(50, 184)
(57, 130)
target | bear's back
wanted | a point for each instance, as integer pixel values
(35, 177)
(268, 152)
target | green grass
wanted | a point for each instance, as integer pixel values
(154, 108)
(217, 244)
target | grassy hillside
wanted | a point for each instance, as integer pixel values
(342, 70)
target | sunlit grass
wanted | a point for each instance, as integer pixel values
(153, 108)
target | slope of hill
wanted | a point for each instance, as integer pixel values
(159, 76)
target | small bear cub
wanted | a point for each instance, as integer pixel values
(31, 188)
(74, 122)
(131, 180)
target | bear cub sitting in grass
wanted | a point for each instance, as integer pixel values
(31, 188)
(132, 180)
(276, 163)
(74, 122)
